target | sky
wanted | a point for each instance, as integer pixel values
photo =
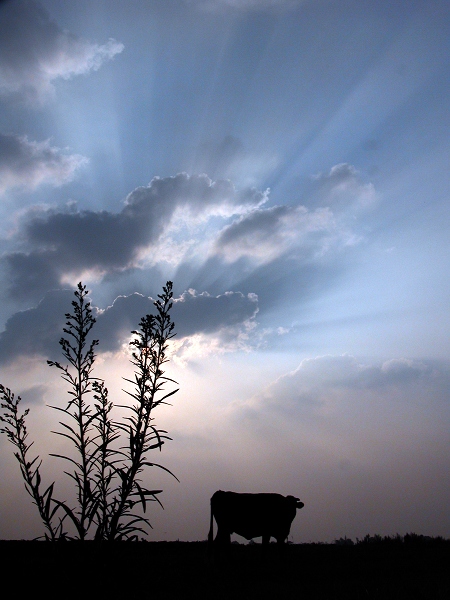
(286, 164)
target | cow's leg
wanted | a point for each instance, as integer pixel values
(223, 537)
(265, 546)
(222, 545)
(281, 546)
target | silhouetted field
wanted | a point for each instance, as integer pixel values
(384, 570)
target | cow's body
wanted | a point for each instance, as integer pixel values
(252, 515)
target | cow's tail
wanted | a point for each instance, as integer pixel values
(211, 532)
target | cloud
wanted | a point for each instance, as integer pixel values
(27, 164)
(37, 331)
(322, 386)
(204, 313)
(193, 313)
(347, 372)
(34, 395)
(34, 52)
(266, 234)
(300, 248)
(73, 242)
(341, 188)
(202, 234)
(360, 423)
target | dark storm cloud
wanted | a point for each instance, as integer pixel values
(73, 241)
(34, 51)
(27, 164)
(37, 331)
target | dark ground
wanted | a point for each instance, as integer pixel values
(385, 570)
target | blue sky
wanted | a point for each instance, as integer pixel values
(286, 164)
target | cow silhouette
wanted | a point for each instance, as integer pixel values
(251, 515)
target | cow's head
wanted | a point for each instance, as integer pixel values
(298, 503)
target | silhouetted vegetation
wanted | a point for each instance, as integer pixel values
(109, 455)
(383, 570)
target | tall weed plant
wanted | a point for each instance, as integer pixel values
(109, 456)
